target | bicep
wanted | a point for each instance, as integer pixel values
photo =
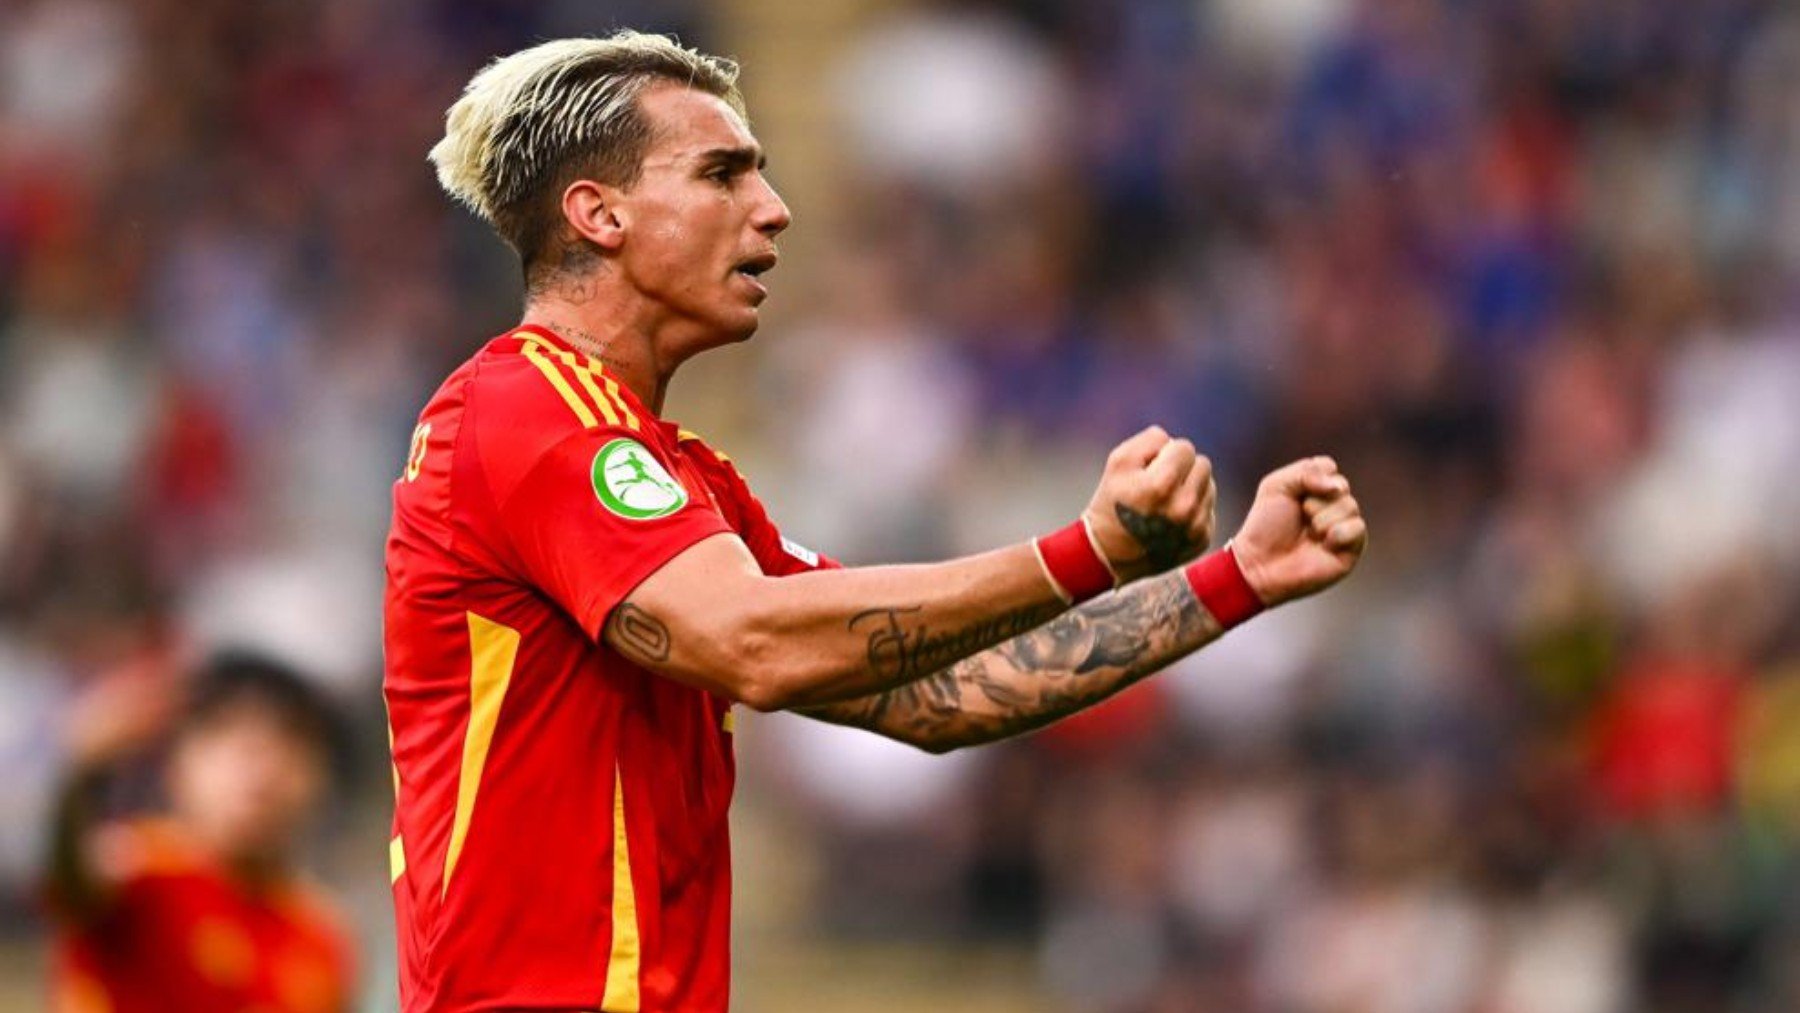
(680, 621)
(584, 550)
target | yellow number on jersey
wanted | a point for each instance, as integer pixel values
(415, 457)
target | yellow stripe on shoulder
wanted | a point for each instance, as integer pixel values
(684, 435)
(612, 387)
(573, 400)
(610, 402)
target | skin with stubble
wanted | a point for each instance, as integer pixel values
(655, 273)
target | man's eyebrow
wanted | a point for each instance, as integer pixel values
(737, 159)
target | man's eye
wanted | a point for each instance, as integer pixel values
(719, 175)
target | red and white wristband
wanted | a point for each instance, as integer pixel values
(1073, 562)
(1219, 583)
(1079, 571)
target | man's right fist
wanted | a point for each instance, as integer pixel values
(1305, 532)
(1154, 507)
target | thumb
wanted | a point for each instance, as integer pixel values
(1293, 480)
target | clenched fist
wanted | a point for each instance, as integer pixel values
(1304, 533)
(1154, 507)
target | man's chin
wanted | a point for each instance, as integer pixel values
(714, 330)
(739, 327)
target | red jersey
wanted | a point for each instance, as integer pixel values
(560, 831)
(181, 935)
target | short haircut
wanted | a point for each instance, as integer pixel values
(235, 679)
(531, 123)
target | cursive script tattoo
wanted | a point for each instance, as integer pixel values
(900, 648)
(1165, 542)
(638, 635)
(1065, 665)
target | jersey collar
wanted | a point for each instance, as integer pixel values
(669, 429)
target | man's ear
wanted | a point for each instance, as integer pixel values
(592, 210)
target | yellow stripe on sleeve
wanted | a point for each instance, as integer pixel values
(492, 649)
(396, 859)
(555, 377)
(622, 966)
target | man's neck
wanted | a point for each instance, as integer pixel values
(622, 342)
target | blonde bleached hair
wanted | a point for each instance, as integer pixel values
(530, 123)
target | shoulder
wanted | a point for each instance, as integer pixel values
(720, 471)
(523, 383)
(525, 396)
(710, 460)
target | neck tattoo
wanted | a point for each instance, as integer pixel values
(588, 344)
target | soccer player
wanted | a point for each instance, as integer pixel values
(199, 910)
(579, 591)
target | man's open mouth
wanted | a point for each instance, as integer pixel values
(753, 267)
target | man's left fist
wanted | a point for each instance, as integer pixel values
(1304, 533)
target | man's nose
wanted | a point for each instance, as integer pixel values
(772, 214)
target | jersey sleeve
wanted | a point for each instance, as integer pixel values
(778, 555)
(597, 513)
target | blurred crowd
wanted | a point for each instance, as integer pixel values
(1525, 267)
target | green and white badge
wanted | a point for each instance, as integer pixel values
(632, 483)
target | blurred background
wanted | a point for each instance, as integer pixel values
(1526, 267)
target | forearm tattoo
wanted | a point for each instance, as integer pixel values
(901, 649)
(638, 635)
(1067, 664)
(1165, 542)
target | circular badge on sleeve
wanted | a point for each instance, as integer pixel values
(632, 483)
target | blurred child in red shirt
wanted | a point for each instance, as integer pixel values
(198, 909)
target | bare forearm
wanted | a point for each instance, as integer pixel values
(834, 635)
(1068, 664)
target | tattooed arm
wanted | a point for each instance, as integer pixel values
(1305, 532)
(1066, 665)
(709, 617)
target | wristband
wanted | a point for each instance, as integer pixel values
(1074, 563)
(1219, 583)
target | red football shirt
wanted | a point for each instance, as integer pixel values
(560, 831)
(181, 935)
